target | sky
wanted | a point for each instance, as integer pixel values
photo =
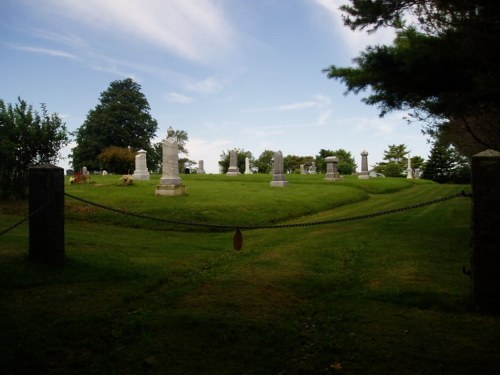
(231, 73)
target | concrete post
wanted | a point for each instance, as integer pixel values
(485, 251)
(46, 227)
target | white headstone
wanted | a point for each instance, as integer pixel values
(200, 169)
(247, 166)
(302, 170)
(141, 170)
(312, 168)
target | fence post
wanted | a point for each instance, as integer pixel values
(485, 246)
(46, 227)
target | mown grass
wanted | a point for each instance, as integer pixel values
(384, 295)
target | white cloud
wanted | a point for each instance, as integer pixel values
(191, 29)
(354, 40)
(174, 97)
(207, 150)
(46, 51)
(207, 86)
(319, 101)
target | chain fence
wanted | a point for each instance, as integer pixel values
(228, 227)
(231, 227)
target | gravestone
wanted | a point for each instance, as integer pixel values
(233, 163)
(70, 172)
(104, 172)
(332, 171)
(418, 172)
(141, 170)
(279, 179)
(409, 171)
(170, 182)
(85, 172)
(302, 170)
(312, 168)
(200, 169)
(364, 166)
(247, 166)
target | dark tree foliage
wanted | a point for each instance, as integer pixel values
(242, 154)
(395, 161)
(446, 164)
(291, 163)
(27, 138)
(264, 163)
(118, 159)
(443, 66)
(120, 119)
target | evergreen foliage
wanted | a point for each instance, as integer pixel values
(120, 119)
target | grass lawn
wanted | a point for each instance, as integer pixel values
(384, 295)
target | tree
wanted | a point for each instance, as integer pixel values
(446, 164)
(264, 162)
(242, 155)
(118, 159)
(27, 138)
(291, 163)
(442, 67)
(346, 163)
(395, 161)
(121, 119)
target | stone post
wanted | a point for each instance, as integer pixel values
(409, 172)
(247, 166)
(364, 166)
(46, 227)
(485, 245)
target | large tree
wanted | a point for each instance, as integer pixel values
(395, 161)
(442, 65)
(27, 138)
(120, 119)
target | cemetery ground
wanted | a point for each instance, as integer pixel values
(382, 295)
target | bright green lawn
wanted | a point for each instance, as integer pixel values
(384, 295)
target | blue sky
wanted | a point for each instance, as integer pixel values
(231, 73)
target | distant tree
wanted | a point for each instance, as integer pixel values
(27, 138)
(395, 161)
(292, 163)
(118, 159)
(446, 164)
(346, 163)
(242, 154)
(120, 119)
(264, 162)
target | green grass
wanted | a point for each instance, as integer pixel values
(384, 295)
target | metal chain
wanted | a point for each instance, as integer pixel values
(14, 226)
(270, 226)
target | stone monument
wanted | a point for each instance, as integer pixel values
(247, 166)
(233, 163)
(200, 169)
(409, 170)
(278, 171)
(312, 168)
(141, 170)
(332, 170)
(364, 166)
(170, 182)
(302, 170)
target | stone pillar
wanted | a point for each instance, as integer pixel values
(332, 170)
(485, 245)
(46, 227)
(247, 166)
(233, 163)
(279, 178)
(141, 169)
(302, 170)
(170, 182)
(200, 169)
(364, 166)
